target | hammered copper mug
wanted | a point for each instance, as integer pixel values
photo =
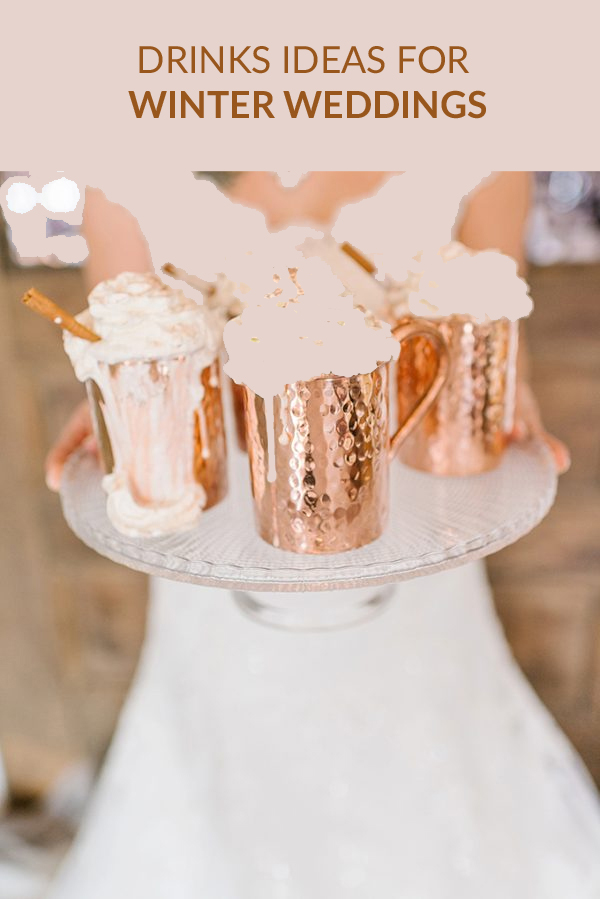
(466, 430)
(319, 462)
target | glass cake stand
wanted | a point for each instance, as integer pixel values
(435, 523)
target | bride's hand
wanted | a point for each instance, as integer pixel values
(528, 423)
(77, 432)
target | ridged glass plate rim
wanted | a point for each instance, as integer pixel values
(531, 465)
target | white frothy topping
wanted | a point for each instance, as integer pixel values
(136, 520)
(138, 316)
(456, 281)
(298, 331)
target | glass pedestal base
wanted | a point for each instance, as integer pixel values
(314, 611)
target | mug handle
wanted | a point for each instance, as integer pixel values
(403, 332)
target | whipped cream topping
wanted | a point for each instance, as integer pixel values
(457, 281)
(300, 327)
(136, 520)
(138, 316)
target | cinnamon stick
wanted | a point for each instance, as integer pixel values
(358, 257)
(47, 308)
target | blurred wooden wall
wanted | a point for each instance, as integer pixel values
(71, 623)
(547, 586)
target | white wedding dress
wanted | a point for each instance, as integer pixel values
(402, 758)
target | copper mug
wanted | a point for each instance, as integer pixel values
(319, 463)
(466, 430)
(159, 429)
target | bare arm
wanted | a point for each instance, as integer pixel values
(497, 215)
(114, 238)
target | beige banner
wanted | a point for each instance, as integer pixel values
(71, 85)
